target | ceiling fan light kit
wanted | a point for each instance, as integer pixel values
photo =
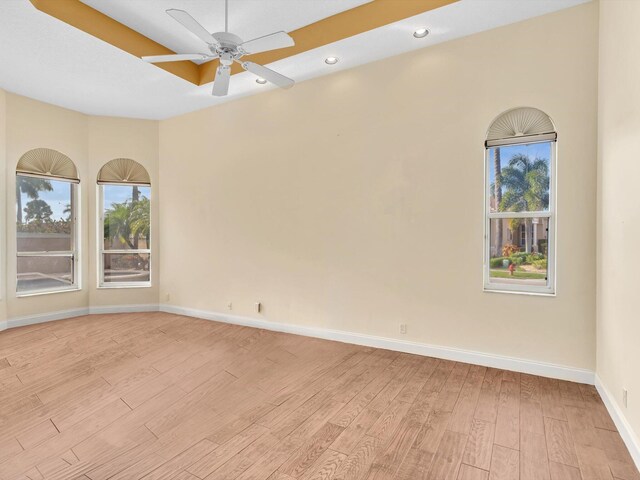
(229, 48)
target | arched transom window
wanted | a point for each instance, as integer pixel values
(520, 163)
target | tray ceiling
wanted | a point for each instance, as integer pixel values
(49, 60)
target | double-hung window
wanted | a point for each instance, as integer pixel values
(520, 162)
(46, 223)
(124, 192)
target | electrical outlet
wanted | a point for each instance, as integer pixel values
(625, 395)
(258, 307)
(167, 297)
(403, 328)
(230, 306)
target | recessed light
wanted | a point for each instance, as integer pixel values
(331, 60)
(421, 32)
(261, 81)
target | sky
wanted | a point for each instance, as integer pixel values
(533, 150)
(120, 193)
(60, 197)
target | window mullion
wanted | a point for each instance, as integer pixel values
(544, 214)
(65, 253)
(124, 252)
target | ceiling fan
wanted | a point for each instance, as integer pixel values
(229, 48)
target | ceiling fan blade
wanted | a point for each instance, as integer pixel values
(192, 25)
(221, 82)
(268, 42)
(268, 74)
(178, 57)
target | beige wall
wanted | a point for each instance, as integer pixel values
(618, 356)
(3, 161)
(89, 142)
(32, 124)
(111, 138)
(354, 201)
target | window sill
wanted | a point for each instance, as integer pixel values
(123, 285)
(520, 292)
(37, 293)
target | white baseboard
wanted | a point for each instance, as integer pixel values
(150, 307)
(75, 312)
(626, 432)
(449, 353)
(46, 317)
(489, 360)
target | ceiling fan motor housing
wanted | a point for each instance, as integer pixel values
(227, 49)
(227, 39)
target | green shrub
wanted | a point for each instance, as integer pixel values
(534, 257)
(498, 262)
(540, 264)
(517, 259)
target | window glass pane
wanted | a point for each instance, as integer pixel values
(518, 251)
(126, 217)
(44, 273)
(126, 267)
(523, 182)
(44, 214)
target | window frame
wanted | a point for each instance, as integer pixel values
(100, 244)
(74, 253)
(551, 214)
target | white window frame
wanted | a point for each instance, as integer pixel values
(551, 214)
(102, 251)
(74, 253)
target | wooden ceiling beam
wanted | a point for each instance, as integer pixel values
(363, 18)
(93, 22)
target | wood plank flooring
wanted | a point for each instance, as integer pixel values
(160, 396)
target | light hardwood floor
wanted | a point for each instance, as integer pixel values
(160, 396)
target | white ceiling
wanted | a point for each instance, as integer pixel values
(247, 18)
(48, 60)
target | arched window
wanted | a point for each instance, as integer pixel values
(46, 223)
(520, 163)
(125, 224)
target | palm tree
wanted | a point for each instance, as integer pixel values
(31, 187)
(129, 220)
(526, 185)
(497, 186)
(67, 211)
(140, 219)
(135, 195)
(117, 223)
